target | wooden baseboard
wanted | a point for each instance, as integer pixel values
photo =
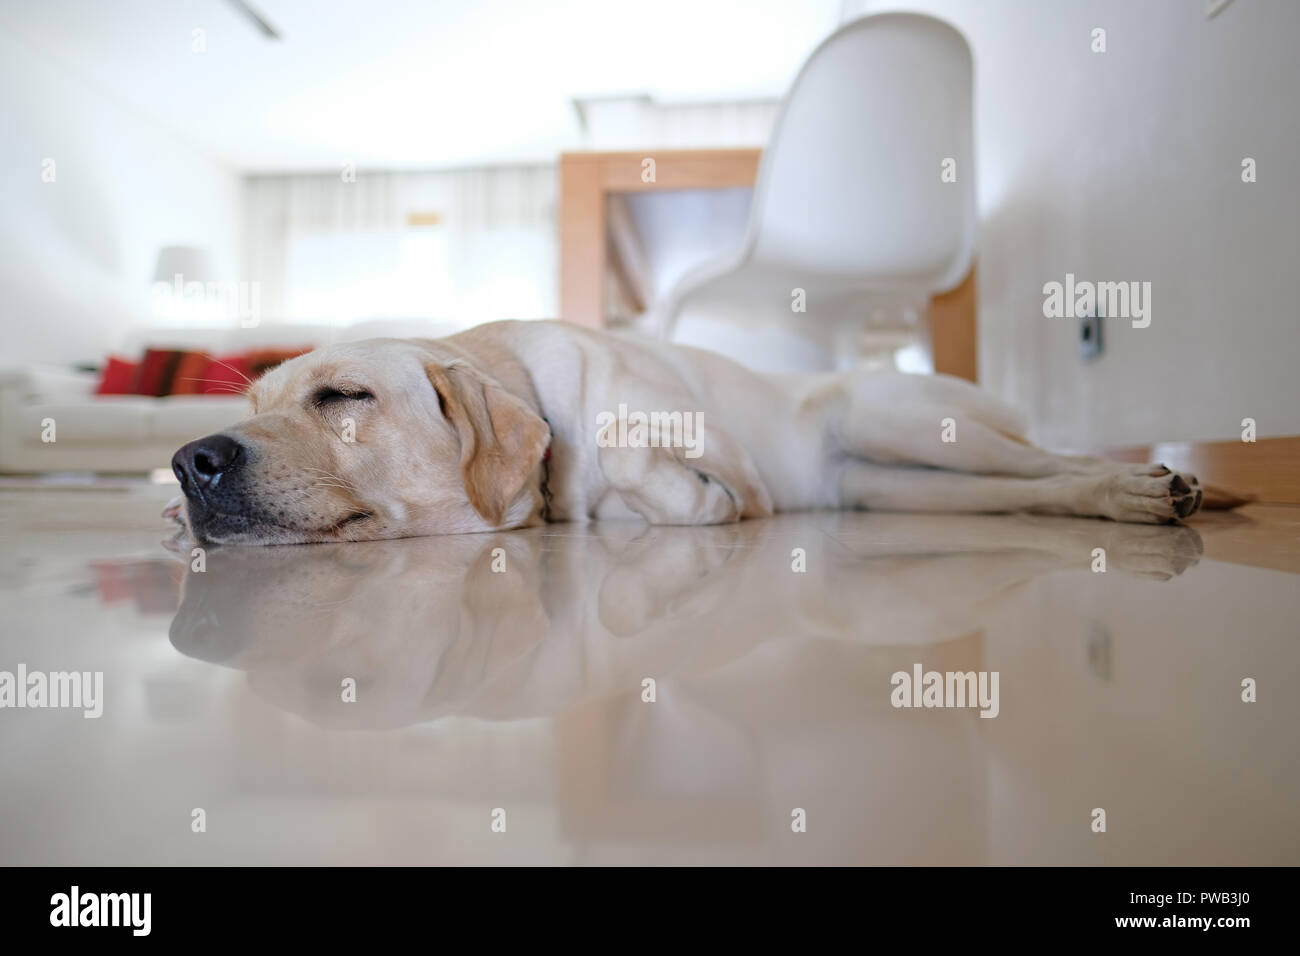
(1268, 468)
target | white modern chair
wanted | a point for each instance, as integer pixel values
(851, 206)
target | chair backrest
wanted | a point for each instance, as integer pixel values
(853, 182)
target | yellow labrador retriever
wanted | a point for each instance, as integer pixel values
(516, 423)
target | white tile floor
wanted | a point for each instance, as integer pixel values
(521, 689)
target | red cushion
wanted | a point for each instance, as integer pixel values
(117, 378)
(156, 371)
(191, 374)
(226, 375)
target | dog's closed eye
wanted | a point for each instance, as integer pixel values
(331, 395)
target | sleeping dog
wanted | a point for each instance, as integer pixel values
(512, 424)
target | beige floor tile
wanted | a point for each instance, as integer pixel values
(507, 672)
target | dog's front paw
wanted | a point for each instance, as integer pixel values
(715, 502)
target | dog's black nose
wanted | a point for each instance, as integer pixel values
(201, 463)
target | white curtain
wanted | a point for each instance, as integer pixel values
(459, 246)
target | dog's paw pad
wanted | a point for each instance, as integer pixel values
(1153, 499)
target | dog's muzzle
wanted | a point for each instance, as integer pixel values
(210, 472)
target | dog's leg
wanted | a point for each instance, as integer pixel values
(663, 490)
(1121, 494)
(941, 422)
(665, 486)
(938, 421)
(981, 450)
(951, 438)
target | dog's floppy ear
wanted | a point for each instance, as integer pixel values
(501, 439)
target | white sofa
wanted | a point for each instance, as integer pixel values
(97, 432)
(135, 433)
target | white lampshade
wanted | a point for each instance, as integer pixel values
(190, 262)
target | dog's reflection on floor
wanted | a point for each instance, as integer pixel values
(538, 622)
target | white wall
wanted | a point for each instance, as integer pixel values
(1127, 166)
(77, 255)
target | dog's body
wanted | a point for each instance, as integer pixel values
(513, 423)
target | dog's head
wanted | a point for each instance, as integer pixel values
(384, 438)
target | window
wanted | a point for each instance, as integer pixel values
(434, 272)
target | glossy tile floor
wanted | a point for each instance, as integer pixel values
(505, 673)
